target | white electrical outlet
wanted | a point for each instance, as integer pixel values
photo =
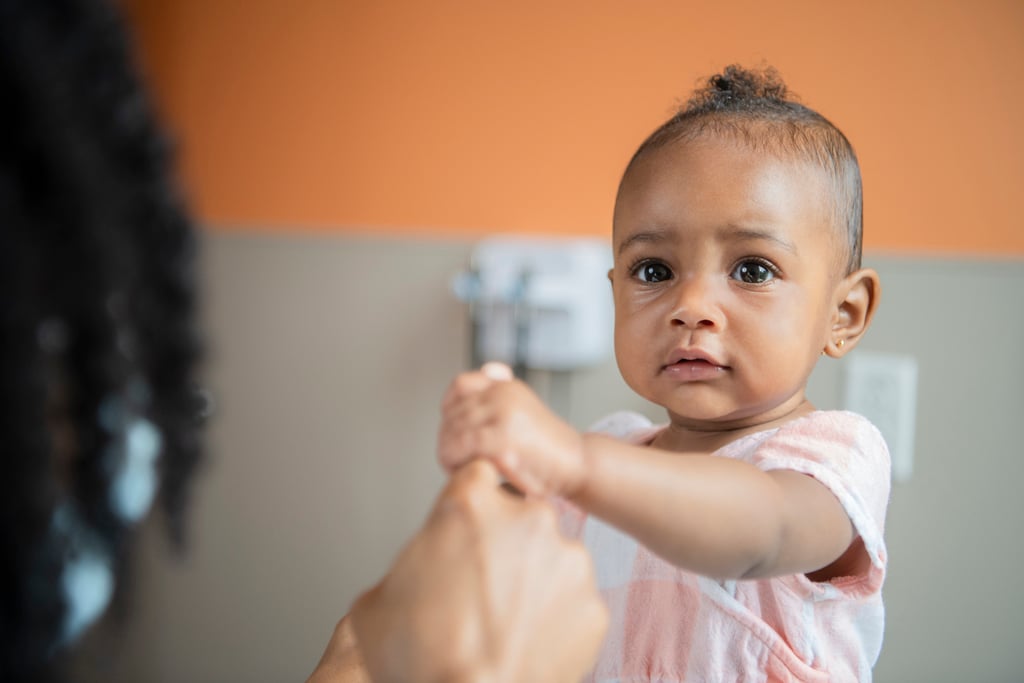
(883, 388)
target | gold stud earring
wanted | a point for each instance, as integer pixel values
(839, 344)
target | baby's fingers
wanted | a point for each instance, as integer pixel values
(467, 414)
(464, 385)
(470, 383)
(466, 433)
(455, 445)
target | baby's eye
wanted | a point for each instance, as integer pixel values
(753, 272)
(652, 271)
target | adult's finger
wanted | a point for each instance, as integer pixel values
(497, 371)
(470, 489)
(475, 474)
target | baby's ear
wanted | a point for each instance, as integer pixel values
(857, 298)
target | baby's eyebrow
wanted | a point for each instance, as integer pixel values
(647, 236)
(754, 234)
(731, 232)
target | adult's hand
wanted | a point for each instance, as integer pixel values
(487, 591)
(342, 661)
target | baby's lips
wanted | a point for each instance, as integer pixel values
(693, 354)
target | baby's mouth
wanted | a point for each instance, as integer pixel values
(694, 369)
(695, 362)
(693, 357)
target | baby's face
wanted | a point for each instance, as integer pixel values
(724, 281)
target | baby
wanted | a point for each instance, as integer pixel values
(742, 540)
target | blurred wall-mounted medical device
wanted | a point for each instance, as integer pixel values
(539, 303)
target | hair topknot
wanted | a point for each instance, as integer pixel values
(738, 89)
(755, 108)
(733, 100)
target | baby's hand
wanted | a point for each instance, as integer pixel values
(488, 414)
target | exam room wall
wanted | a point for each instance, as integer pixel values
(329, 356)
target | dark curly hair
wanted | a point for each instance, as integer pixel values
(756, 108)
(97, 279)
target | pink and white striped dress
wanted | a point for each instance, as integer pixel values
(671, 625)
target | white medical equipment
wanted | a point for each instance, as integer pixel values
(539, 303)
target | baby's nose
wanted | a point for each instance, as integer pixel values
(695, 305)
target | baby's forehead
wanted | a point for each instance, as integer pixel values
(717, 166)
(760, 148)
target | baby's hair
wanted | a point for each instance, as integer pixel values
(756, 108)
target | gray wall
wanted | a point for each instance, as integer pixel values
(329, 356)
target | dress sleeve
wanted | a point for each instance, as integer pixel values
(847, 454)
(621, 425)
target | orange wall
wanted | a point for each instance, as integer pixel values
(471, 116)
